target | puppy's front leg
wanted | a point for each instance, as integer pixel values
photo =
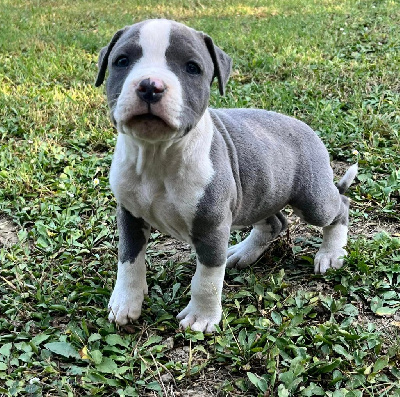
(204, 309)
(131, 286)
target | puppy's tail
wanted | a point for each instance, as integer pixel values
(347, 179)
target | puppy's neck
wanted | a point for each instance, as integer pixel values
(189, 150)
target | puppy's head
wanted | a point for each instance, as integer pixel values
(160, 74)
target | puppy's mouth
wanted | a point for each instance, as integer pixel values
(147, 118)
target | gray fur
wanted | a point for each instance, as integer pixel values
(347, 179)
(196, 173)
(124, 42)
(222, 63)
(186, 45)
(272, 174)
(131, 235)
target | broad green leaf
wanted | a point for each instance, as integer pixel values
(340, 393)
(154, 386)
(96, 377)
(276, 318)
(115, 339)
(287, 377)
(263, 385)
(108, 366)
(75, 370)
(271, 296)
(5, 350)
(242, 336)
(395, 372)
(296, 366)
(259, 289)
(94, 337)
(122, 370)
(175, 289)
(38, 339)
(153, 339)
(386, 311)
(32, 389)
(97, 356)
(26, 357)
(313, 390)
(130, 392)
(63, 349)
(250, 309)
(350, 310)
(296, 320)
(200, 348)
(341, 350)
(254, 379)
(282, 391)
(381, 363)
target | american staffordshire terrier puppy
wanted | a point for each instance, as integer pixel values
(197, 173)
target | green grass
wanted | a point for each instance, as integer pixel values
(333, 64)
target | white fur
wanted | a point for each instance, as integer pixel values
(349, 176)
(154, 40)
(163, 182)
(331, 252)
(249, 250)
(131, 286)
(204, 309)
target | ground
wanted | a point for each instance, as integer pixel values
(8, 232)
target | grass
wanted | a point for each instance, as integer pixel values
(285, 332)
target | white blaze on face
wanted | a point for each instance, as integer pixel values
(154, 38)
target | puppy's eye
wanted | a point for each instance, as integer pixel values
(193, 68)
(122, 61)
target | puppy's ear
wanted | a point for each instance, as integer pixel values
(103, 57)
(222, 63)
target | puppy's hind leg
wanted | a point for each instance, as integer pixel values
(332, 212)
(248, 251)
(331, 253)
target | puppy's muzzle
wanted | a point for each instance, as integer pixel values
(150, 90)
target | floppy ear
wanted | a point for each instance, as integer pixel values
(103, 57)
(222, 63)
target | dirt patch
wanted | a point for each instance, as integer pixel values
(207, 383)
(339, 168)
(8, 232)
(368, 228)
(172, 250)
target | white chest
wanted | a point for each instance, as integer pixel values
(165, 188)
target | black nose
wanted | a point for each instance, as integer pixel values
(150, 91)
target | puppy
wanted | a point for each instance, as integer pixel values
(197, 173)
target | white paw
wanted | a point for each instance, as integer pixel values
(244, 254)
(199, 318)
(325, 260)
(125, 304)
